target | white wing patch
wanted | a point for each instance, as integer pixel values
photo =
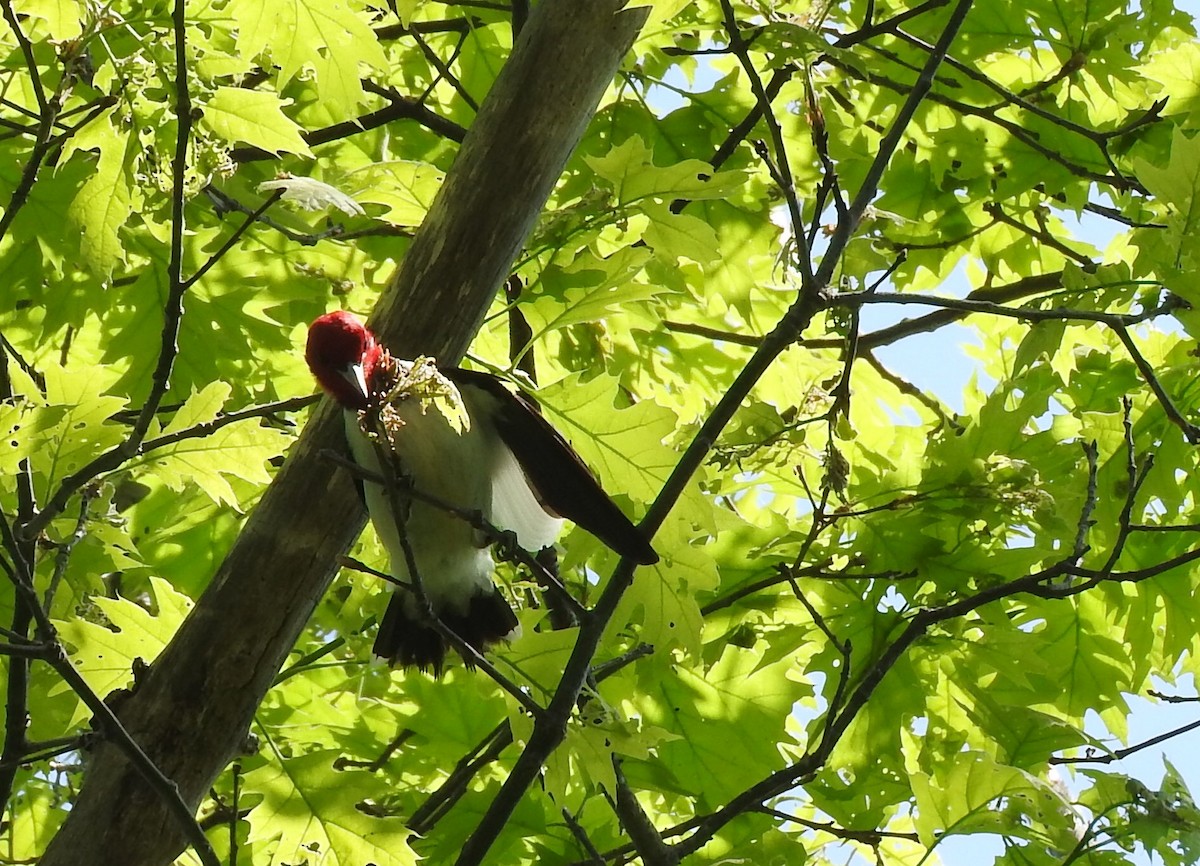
(514, 505)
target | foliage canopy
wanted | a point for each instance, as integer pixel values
(879, 621)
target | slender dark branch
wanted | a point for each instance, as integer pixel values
(842, 646)
(21, 651)
(1120, 754)
(304, 661)
(457, 783)
(742, 130)
(982, 307)
(782, 165)
(1091, 452)
(1135, 477)
(399, 107)
(1190, 431)
(235, 814)
(783, 575)
(335, 231)
(1043, 237)
(520, 15)
(115, 457)
(44, 751)
(63, 557)
(445, 25)
(48, 108)
(29, 369)
(712, 333)
(870, 837)
(445, 72)
(1174, 699)
(207, 428)
(232, 239)
(908, 388)
(177, 285)
(890, 25)
(31, 67)
(841, 391)
(989, 114)
(378, 763)
(593, 854)
(16, 709)
(645, 836)
(66, 131)
(1100, 139)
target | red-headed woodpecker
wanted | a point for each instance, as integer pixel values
(463, 437)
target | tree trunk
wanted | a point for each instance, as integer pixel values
(191, 712)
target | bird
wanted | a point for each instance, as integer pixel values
(464, 438)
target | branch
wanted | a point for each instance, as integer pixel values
(204, 687)
(232, 239)
(207, 428)
(1121, 754)
(781, 167)
(48, 108)
(399, 107)
(646, 838)
(438, 803)
(870, 837)
(1190, 431)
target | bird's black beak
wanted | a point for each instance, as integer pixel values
(353, 373)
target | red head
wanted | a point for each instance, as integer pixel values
(342, 355)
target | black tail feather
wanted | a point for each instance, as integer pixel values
(406, 640)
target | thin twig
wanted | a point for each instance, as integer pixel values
(444, 71)
(207, 428)
(1190, 431)
(1091, 452)
(1121, 754)
(232, 239)
(781, 163)
(582, 838)
(63, 557)
(645, 836)
(48, 108)
(870, 837)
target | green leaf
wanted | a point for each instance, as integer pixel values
(965, 799)
(327, 36)
(211, 460)
(626, 446)
(105, 654)
(308, 809)
(253, 117)
(101, 208)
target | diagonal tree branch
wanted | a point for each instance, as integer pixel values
(191, 712)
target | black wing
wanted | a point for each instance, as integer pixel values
(561, 480)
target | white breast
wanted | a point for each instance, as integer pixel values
(449, 557)
(473, 470)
